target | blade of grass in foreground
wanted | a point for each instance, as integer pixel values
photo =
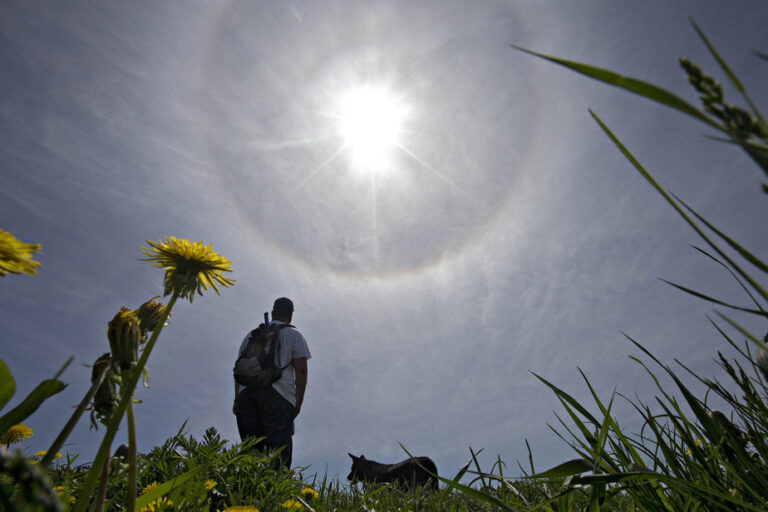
(713, 300)
(677, 207)
(474, 493)
(639, 87)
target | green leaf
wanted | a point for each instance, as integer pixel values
(639, 87)
(43, 391)
(7, 385)
(570, 468)
(568, 398)
(164, 488)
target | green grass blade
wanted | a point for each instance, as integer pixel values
(712, 299)
(639, 87)
(568, 398)
(569, 468)
(677, 207)
(7, 385)
(728, 269)
(734, 245)
(761, 55)
(469, 491)
(462, 471)
(760, 343)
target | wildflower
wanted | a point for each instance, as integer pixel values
(72, 500)
(158, 504)
(209, 485)
(16, 434)
(149, 314)
(43, 453)
(16, 256)
(697, 443)
(123, 333)
(291, 504)
(241, 508)
(60, 489)
(309, 493)
(189, 266)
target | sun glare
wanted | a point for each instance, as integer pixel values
(370, 120)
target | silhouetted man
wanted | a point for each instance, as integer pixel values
(269, 412)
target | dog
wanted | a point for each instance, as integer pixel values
(410, 472)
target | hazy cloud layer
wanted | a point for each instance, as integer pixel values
(509, 236)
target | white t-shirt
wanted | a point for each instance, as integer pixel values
(292, 346)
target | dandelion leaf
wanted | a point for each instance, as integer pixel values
(40, 394)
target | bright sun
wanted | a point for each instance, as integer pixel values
(370, 120)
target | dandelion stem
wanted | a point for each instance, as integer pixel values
(130, 503)
(59, 441)
(101, 499)
(114, 422)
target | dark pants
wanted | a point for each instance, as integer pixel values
(265, 413)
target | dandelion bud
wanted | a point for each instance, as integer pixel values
(149, 314)
(101, 364)
(105, 400)
(123, 333)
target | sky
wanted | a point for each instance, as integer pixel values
(498, 233)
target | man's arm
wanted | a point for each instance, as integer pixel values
(237, 391)
(300, 379)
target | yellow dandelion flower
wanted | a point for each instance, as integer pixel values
(148, 488)
(697, 442)
(159, 504)
(209, 485)
(241, 508)
(292, 504)
(189, 266)
(72, 500)
(16, 256)
(43, 453)
(16, 434)
(60, 489)
(309, 493)
(688, 451)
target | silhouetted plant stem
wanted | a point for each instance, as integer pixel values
(101, 499)
(114, 422)
(59, 441)
(130, 503)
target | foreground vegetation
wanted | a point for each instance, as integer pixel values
(687, 455)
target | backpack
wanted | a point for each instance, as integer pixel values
(256, 367)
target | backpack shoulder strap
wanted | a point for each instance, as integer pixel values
(279, 328)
